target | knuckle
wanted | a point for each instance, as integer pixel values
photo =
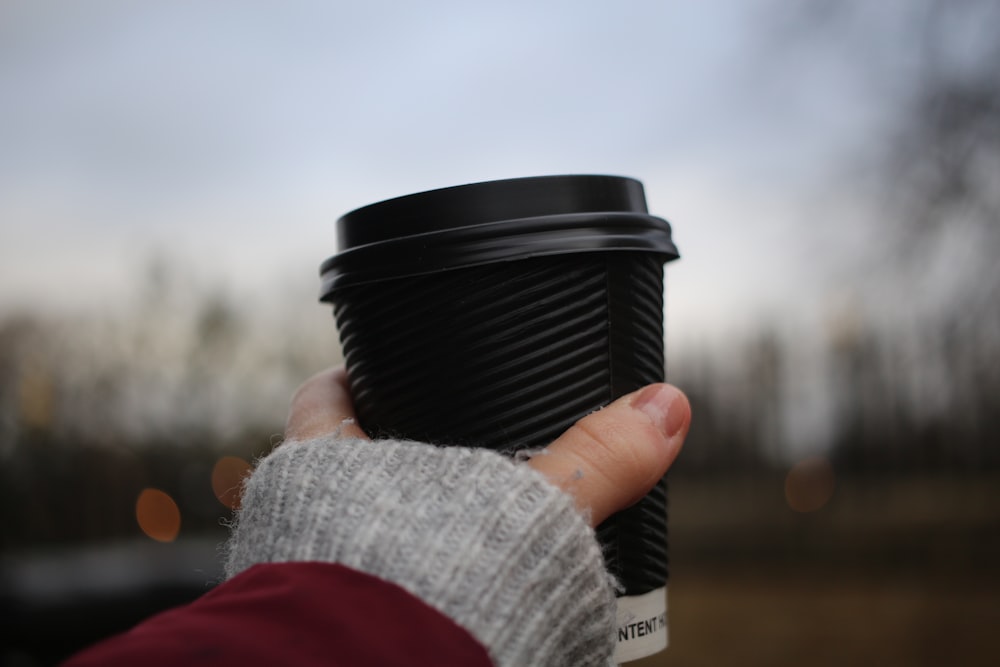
(610, 449)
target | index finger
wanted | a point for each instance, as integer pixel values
(321, 406)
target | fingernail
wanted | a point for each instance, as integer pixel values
(655, 402)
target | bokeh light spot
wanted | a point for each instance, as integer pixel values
(227, 479)
(158, 515)
(809, 484)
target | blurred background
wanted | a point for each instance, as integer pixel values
(170, 174)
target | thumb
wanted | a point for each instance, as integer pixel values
(611, 458)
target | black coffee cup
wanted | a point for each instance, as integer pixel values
(498, 314)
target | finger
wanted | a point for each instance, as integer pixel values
(613, 457)
(322, 405)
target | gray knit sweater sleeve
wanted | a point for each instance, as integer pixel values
(488, 542)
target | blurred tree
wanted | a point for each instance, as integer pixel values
(946, 162)
(929, 375)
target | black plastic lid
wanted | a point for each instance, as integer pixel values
(494, 221)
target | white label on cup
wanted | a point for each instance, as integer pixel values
(642, 625)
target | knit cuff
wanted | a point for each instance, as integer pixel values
(488, 542)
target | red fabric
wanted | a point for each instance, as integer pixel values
(295, 614)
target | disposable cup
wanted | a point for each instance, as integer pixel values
(498, 314)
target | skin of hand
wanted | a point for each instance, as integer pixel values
(607, 461)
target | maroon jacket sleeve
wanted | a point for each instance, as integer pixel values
(301, 614)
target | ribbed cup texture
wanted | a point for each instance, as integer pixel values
(508, 356)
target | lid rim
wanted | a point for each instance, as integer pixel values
(508, 240)
(334, 282)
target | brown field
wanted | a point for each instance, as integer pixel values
(891, 572)
(749, 618)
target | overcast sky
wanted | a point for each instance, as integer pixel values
(229, 136)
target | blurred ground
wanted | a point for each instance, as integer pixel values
(817, 616)
(892, 571)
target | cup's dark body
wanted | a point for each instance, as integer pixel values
(498, 314)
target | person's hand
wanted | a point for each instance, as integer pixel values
(607, 461)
